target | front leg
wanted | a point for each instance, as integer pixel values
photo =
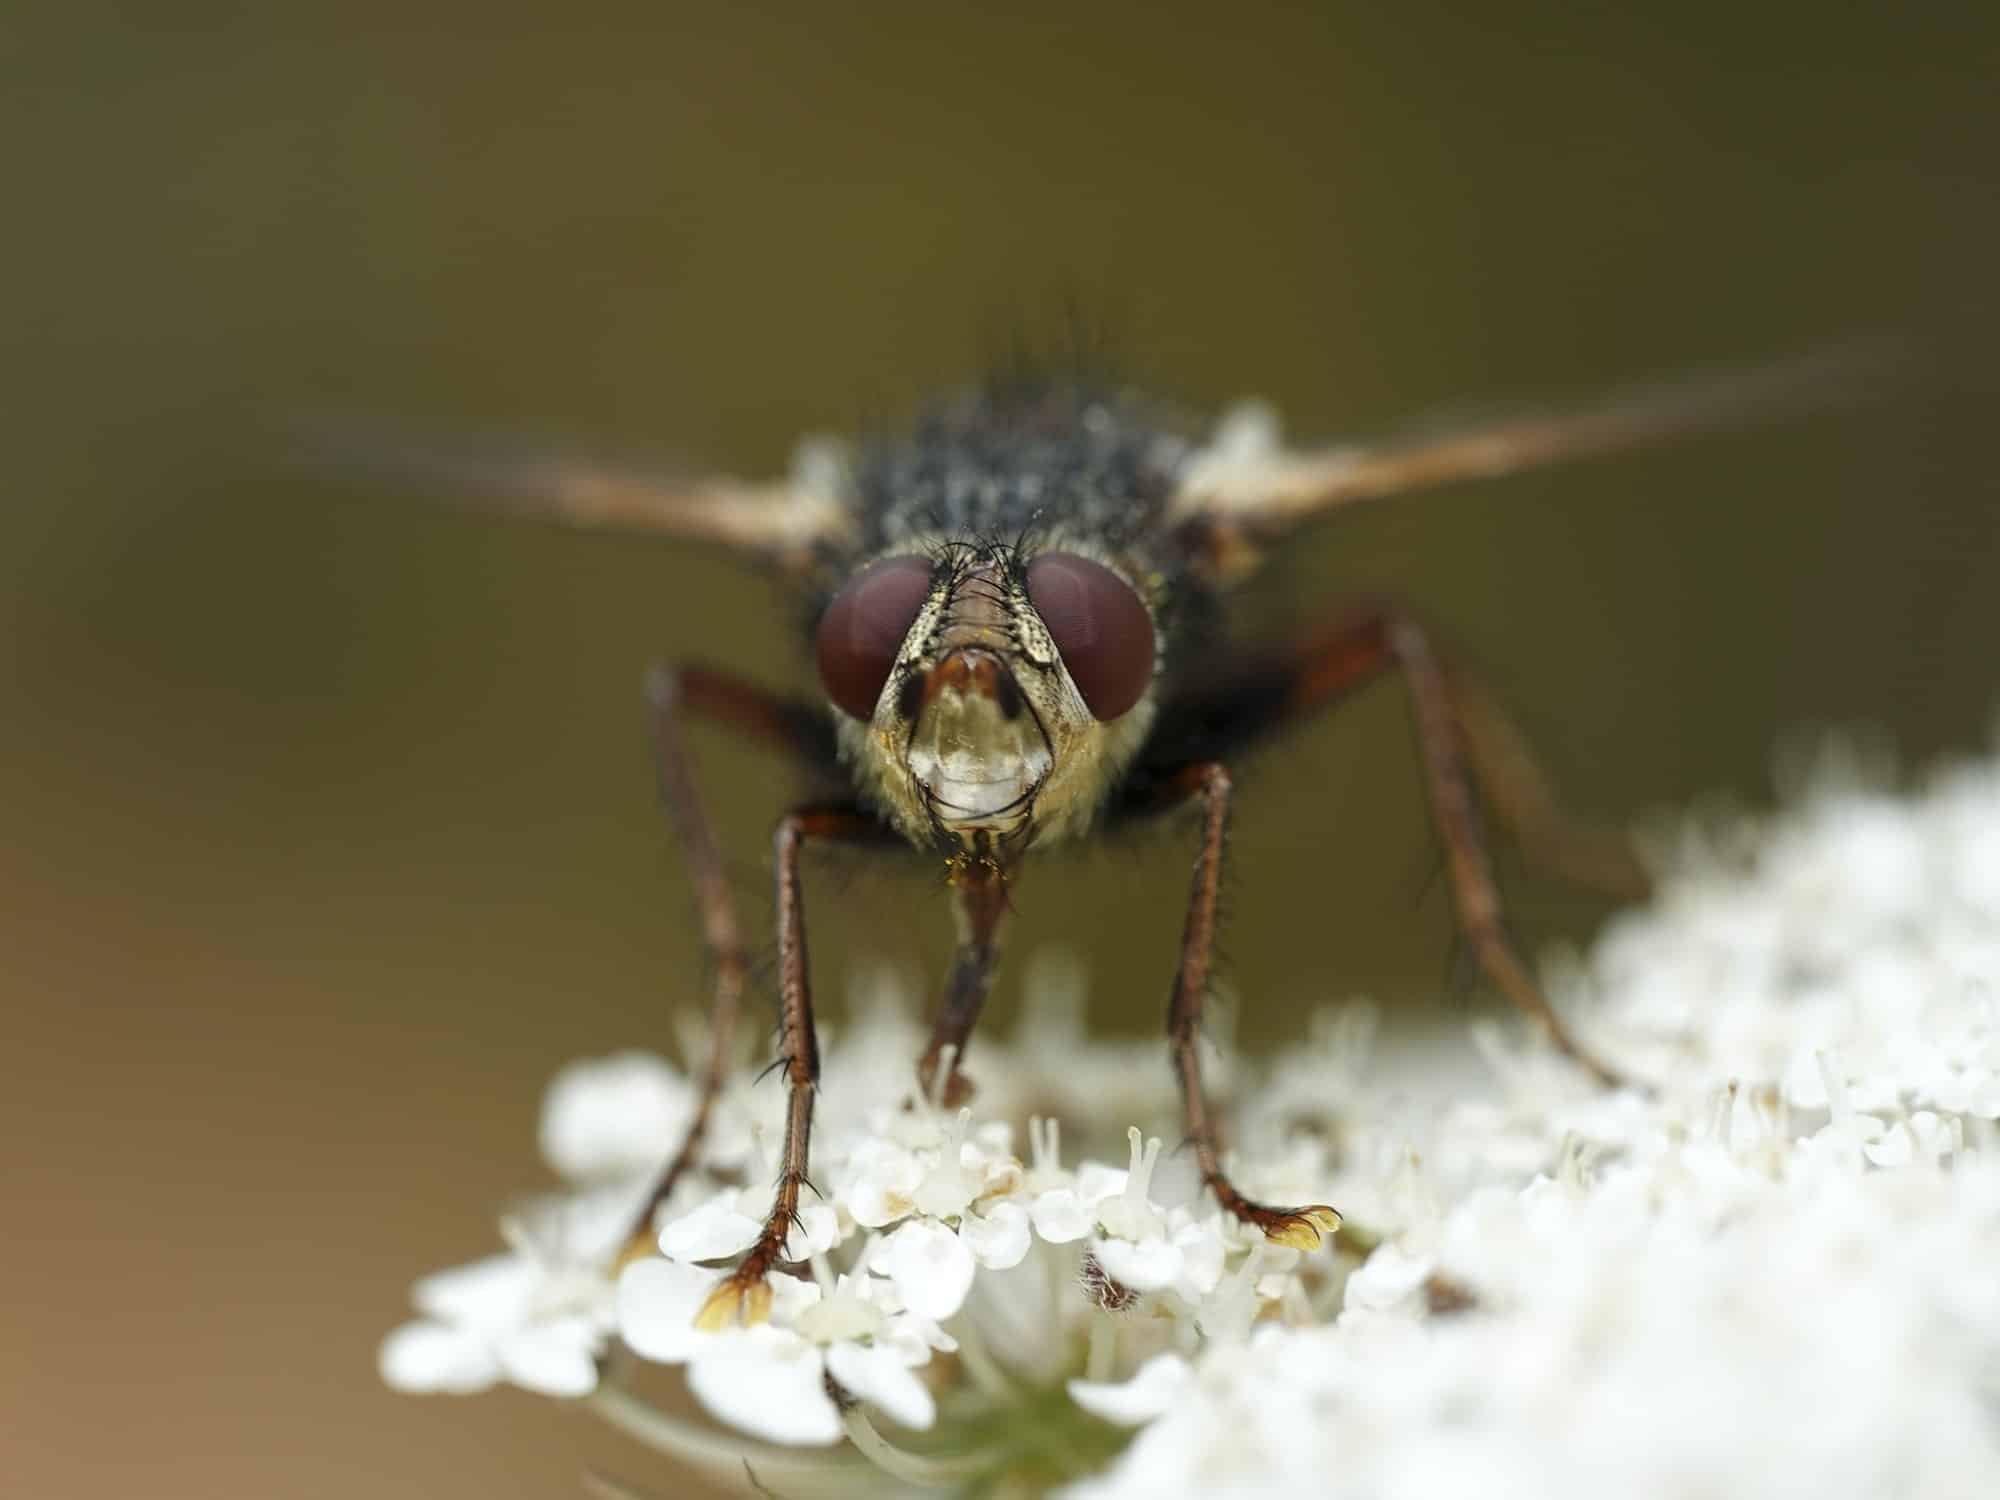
(1301, 1228)
(745, 1293)
(789, 726)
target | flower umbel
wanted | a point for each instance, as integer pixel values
(1766, 1270)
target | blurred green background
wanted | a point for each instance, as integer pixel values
(329, 829)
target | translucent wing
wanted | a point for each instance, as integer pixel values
(786, 524)
(1246, 488)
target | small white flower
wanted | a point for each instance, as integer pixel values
(488, 1322)
(536, 1317)
(768, 1380)
(1057, 1211)
(1141, 1245)
(950, 1199)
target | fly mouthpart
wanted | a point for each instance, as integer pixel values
(972, 672)
(977, 751)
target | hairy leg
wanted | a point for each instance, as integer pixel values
(980, 893)
(1459, 730)
(745, 1293)
(1299, 1227)
(798, 729)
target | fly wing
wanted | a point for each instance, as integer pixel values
(786, 524)
(1246, 489)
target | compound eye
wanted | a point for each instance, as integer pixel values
(863, 629)
(1101, 627)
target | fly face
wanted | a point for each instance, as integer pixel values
(987, 697)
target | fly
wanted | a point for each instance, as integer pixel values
(1009, 604)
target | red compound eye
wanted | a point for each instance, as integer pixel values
(863, 629)
(1101, 627)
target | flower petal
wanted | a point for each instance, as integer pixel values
(998, 1238)
(885, 1178)
(1132, 1403)
(1143, 1265)
(1202, 1253)
(614, 1116)
(715, 1229)
(492, 1293)
(1060, 1216)
(425, 1358)
(767, 1382)
(585, 1228)
(817, 1231)
(556, 1358)
(1387, 1277)
(1096, 1181)
(930, 1267)
(878, 1374)
(657, 1303)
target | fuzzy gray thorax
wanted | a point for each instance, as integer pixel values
(1000, 463)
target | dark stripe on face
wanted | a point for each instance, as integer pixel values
(1007, 695)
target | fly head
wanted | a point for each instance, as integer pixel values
(989, 693)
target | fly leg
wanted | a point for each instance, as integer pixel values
(796, 728)
(1525, 803)
(1475, 894)
(745, 1293)
(980, 889)
(1459, 732)
(1298, 1227)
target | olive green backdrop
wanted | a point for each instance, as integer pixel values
(328, 829)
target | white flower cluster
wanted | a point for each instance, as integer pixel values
(1765, 1271)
